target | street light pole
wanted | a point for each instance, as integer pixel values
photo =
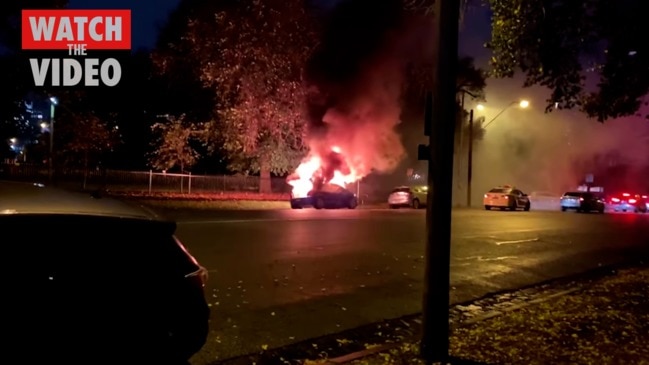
(470, 164)
(50, 171)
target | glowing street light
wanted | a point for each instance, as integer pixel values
(523, 104)
(13, 140)
(43, 125)
(480, 107)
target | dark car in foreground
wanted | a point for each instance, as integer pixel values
(582, 202)
(95, 281)
(330, 196)
(628, 202)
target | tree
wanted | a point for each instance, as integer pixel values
(84, 135)
(252, 52)
(548, 40)
(173, 145)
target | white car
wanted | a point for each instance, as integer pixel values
(406, 196)
(506, 197)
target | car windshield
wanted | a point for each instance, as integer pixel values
(501, 190)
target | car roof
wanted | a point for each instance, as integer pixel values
(25, 198)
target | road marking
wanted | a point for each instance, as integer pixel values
(489, 234)
(516, 241)
(480, 258)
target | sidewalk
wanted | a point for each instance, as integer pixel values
(601, 317)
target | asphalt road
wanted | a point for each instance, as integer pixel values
(278, 277)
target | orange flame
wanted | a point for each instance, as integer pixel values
(311, 169)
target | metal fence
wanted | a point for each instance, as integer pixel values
(369, 190)
(145, 181)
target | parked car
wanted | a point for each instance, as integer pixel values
(506, 197)
(330, 196)
(582, 202)
(628, 202)
(95, 280)
(406, 196)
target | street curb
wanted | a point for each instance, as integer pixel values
(497, 313)
(345, 359)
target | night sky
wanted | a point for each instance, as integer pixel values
(148, 15)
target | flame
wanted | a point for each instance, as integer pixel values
(314, 171)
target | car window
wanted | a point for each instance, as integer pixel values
(401, 190)
(501, 190)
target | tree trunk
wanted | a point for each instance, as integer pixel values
(264, 176)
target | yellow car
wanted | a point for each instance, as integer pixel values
(506, 197)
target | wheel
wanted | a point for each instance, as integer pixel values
(393, 206)
(487, 207)
(563, 209)
(601, 210)
(295, 206)
(527, 207)
(415, 204)
(353, 203)
(319, 204)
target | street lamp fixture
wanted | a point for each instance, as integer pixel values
(54, 100)
(43, 125)
(480, 107)
(13, 140)
(523, 104)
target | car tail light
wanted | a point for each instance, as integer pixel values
(632, 201)
(615, 200)
(644, 197)
(486, 195)
(581, 199)
(626, 194)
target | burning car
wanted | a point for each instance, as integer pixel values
(329, 196)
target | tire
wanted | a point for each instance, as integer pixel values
(415, 204)
(353, 203)
(295, 206)
(319, 204)
(527, 207)
(487, 207)
(563, 209)
(393, 206)
(601, 210)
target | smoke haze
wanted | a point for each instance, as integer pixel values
(358, 74)
(553, 152)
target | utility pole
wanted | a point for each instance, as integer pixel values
(469, 175)
(51, 159)
(435, 337)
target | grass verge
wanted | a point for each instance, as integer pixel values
(605, 322)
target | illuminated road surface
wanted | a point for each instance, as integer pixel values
(279, 277)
